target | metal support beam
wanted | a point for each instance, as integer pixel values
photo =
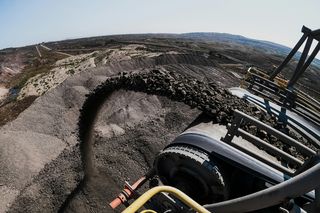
(305, 66)
(302, 64)
(270, 148)
(273, 164)
(281, 136)
(302, 60)
(289, 57)
(234, 129)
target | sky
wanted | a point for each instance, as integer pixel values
(24, 22)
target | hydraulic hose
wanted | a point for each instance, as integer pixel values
(294, 187)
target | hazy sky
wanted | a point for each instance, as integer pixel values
(26, 22)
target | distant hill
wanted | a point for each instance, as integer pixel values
(268, 47)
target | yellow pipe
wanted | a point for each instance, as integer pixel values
(171, 190)
(148, 211)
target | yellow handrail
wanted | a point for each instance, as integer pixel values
(171, 190)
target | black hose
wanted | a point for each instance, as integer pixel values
(295, 187)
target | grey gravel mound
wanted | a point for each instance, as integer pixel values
(41, 162)
(53, 162)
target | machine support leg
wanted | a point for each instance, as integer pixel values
(305, 66)
(288, 58)
(302, 59)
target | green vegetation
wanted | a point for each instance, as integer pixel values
(12, 109)
(36, 66)
(21, 79)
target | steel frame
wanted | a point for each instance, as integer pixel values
(235, 130)
(304, 62)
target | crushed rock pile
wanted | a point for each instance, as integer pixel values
(48, 187)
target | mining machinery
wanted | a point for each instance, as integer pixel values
(246, 161)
